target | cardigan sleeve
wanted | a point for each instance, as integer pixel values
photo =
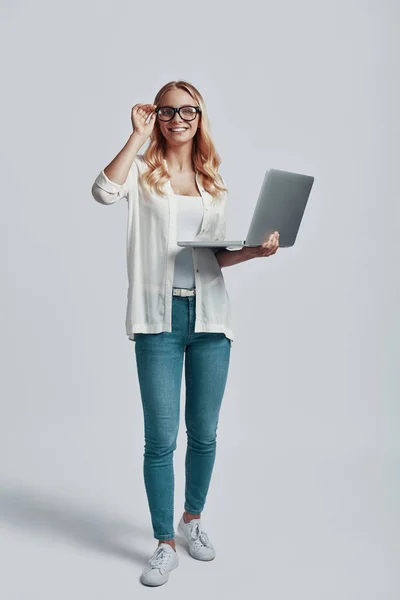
(106, 191)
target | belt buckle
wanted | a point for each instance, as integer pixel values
(183, 292)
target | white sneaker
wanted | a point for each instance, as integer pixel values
(163, 560)
(200, 546)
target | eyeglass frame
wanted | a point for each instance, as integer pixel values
(177, 110)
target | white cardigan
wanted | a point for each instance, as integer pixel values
(151, 249)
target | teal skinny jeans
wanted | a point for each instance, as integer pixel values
(159, 359)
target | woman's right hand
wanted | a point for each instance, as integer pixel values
(139, 116)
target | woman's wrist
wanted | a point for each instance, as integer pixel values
(228, 258)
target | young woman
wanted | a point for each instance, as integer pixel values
(178, 306)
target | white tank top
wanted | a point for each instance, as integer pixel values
(189, 219)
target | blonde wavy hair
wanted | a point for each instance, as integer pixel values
(204, 155)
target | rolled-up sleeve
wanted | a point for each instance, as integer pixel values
(106, 191)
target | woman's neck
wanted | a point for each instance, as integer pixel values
(179, 160)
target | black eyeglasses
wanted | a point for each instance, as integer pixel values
(187, 113)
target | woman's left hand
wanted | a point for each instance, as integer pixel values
(269, 247)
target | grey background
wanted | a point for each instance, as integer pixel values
(304, 497)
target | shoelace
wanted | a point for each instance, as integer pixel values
(198, 534)
(158, 558)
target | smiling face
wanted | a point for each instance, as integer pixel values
(187, 129)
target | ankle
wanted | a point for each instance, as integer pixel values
(189, 516)
(171, 542)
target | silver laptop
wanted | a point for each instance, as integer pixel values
(280, 207)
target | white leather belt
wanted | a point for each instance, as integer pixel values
(183, 292)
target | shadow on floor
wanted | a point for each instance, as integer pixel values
(45, 514)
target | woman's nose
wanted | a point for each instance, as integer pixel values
(177, 118)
